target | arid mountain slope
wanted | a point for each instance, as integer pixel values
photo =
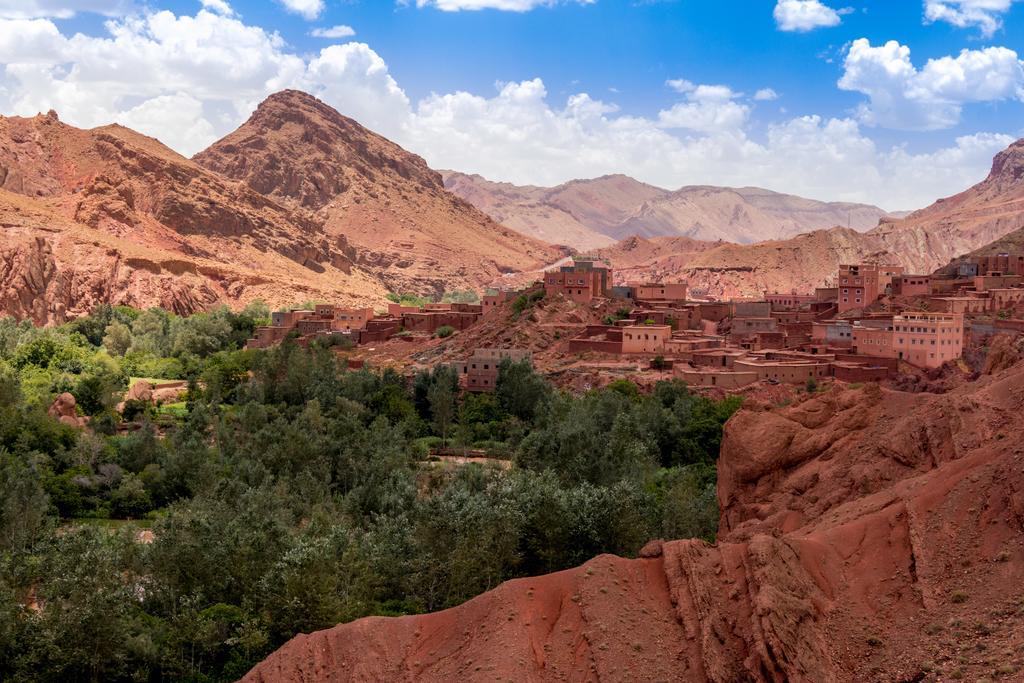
(407, 229)
(865, 535)
(586, 214)
(111, 215)
(922, 242)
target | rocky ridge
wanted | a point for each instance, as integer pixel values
(589, 214)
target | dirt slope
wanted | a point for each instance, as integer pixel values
(587, 214)
(408, 231)
(866, 535)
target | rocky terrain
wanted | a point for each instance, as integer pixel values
(865, 534)
(588, 214)
(387, 203)
(109, 215)
(923, 242)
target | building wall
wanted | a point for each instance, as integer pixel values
(959, 304)
(928, 340)
(751, 309)
(645, 338)
(666, 291)
(722, 380)
(780, 301)
(789, 372)
(912, 285)
(874, 341)
(1006, 298)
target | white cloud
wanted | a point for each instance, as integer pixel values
(709, 108)
(307, 9)
(903, 97)
(334, 32)
(178, 120)
(218, 6)
(59, 9)
(189, 79)
(983, 14)
(680, 85)
(504, 5)
(806, 15)
(766, 95)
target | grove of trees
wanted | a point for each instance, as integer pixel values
(290, 494)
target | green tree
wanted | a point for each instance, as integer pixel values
(117, 339)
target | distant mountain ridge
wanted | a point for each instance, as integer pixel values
(588, 214)
(987, 217)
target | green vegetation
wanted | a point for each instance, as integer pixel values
(444, 331)
(524, 302)
(286, 493)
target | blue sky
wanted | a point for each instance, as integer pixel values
(803, 96)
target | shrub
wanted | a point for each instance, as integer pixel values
(445, 331)
(958, 597)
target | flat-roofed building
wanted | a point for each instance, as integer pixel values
(480, 371)
(912, 285)
(927, 339)
(580, 282)
(862, 284)
(637, 339)
(785, 302)
(874, 338)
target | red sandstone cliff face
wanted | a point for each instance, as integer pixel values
(866, 535)
(408, 230)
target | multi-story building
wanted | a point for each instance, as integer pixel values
(581, 282)
(873, 338)
(860, 285)
(645, 338)
(928, 340)
(480, 371)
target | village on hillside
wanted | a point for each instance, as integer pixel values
(876, 323)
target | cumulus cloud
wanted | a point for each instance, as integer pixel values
(307, 9)
(806, 15)
(504, 5)
(931, 98)
(218, 6)
(986, 15)
(766, 95)
(334, 32)
(188, 80)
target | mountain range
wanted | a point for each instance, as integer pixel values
(589, 214)
(299, 203)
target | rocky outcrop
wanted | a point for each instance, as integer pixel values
(866, 534)
(63, 409)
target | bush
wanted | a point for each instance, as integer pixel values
(444, 331)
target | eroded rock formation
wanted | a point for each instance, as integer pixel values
(865, 535)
